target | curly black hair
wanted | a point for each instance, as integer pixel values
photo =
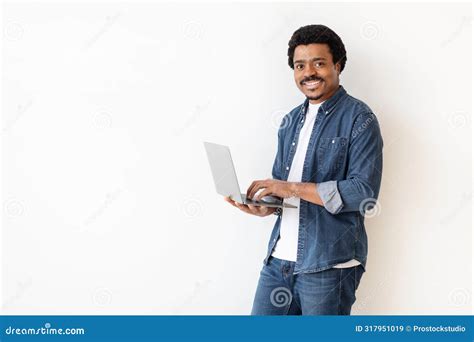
(318, 34)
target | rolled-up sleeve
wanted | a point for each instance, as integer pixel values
(330, 196)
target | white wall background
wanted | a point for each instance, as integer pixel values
(108, 201)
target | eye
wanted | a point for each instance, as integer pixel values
(299, 66)
(319, 64)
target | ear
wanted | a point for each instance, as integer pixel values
(338, 67)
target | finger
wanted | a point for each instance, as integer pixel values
(262, 184)
(251, 208)
(257, 186)
(228, 199)
(265, 192)
(265, 210)
(249, 188)
(253, 189)
(259, 210)
(243, 207)
(254, 208)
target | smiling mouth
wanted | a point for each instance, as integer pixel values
(311, 85)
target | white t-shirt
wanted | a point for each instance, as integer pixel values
(287, 245)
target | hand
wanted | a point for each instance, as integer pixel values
(272, 187)
(256, 210)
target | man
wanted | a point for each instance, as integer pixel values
(329, 164)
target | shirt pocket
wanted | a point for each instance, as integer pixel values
(331, 154)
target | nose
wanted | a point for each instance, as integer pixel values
(309, 71)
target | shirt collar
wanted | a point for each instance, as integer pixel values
(328, 105)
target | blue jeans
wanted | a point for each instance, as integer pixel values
(328, 292)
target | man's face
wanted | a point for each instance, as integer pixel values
(315, 73)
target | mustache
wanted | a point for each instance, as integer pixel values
(311, 78)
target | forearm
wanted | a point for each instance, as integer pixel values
(306, 191)
(336, 196)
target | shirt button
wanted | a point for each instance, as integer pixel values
(302, 120)
(287, 168)
(333, 141)
(327, 112)
(293, 144)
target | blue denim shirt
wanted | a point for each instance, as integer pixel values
(344, 159)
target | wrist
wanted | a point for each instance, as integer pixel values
(295, 189)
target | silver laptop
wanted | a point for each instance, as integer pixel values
(225, 178)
